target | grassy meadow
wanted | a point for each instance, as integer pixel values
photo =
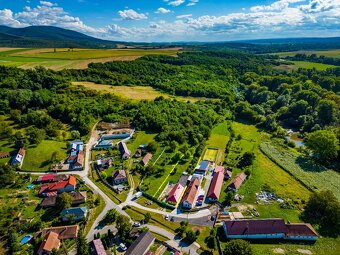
(64, 58)
(134, 92)
(327, 53)
(38, 157)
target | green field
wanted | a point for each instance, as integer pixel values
(311, 65)
(134, 92)
(312, 175)
(264, 171)
(210, 154)
(218, 139)
(72, 59)
(327, 53)
(38, 157)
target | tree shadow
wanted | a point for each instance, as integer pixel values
(309, 165)
(44, 164)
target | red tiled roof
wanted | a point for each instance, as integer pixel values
(146, 159)
(191, 191)
(53, 187)
(219, 169)
(254, 227)
(50, 242)
(46, 177)
(22, 151)
(99, 247)
(175, 193)
(64, 232)
(216, 185)
(80, 158)
(300, 230)
(238, 180)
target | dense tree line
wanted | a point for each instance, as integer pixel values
(314, 58)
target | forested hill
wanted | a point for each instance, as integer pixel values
(49, 37)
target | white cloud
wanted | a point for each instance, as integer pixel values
(175, 2)
(47, 3)
(183, 16)
(192, 2)
(131, 14)
(162, 10)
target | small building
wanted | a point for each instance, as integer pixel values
(237, 182)
(78, 164)
(124, 151)
(119, 177)
(97, 247)
(183, 180)
(48, 202)
(74, 214)
(104, 163)
(138, 153)
(175, 194)
(146, 159)
(18, 159)
(301, 232)
(78, 197)
(64, 232)
(216, 186)
(114, 136)
(103, 144)
(51, 241)
(76, 146)
(52, 189)
(255, 229)
(141, 245)
(203, 167)
(189, 197)
(46, 178)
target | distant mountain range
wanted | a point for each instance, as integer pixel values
(55, 37)
(49, 36)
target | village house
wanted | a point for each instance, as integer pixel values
(188, 200)
(119, 177)
(216, 186)
(45, 178)
(76, 155)
(97, 247)
(227, 171)
(63, 232)
(52, 189)
(141, 245)
(18, 159)
(268, 229)
(124, 151)
(203, 167)
(78, 164)
(74, 214)
(104, 163)
(146, 159)
(237, 182)
(51, 241)
(78, 198)
(175, 194)
(138, 153)
(4, 154)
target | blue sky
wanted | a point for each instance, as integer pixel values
(179, 20)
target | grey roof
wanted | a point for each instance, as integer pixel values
(141, 245)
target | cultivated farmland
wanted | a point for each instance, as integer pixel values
(312, 175)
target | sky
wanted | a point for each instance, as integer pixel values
(179, 20)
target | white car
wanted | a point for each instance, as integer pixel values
(167, 217)
(122, 246)
(136, 224)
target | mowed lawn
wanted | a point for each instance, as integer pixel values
(264, 171)
(210, 154)
(38, 158)
(218, 140)
(134, 92)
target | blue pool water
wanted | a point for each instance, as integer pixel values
(30, 186)
(25, 239)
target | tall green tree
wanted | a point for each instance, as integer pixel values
(324, 143)
(123, 226)
(82, 245)
(238, 247)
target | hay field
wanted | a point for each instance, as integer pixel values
(210, 154)
(134, 92)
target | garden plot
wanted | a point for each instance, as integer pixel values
(211, 154)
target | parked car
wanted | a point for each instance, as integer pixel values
(136, 224)
(167, 217)
(198, 203)
(172, 219)
(200, 198)
(122, 247)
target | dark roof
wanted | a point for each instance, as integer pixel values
(183, 180)
(203, 165)
(119, 175)
(300, 230)
(254, 227)
(78, 197)
(48, 201)
(141, 245)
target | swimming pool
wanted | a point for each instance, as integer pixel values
(26, 239)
